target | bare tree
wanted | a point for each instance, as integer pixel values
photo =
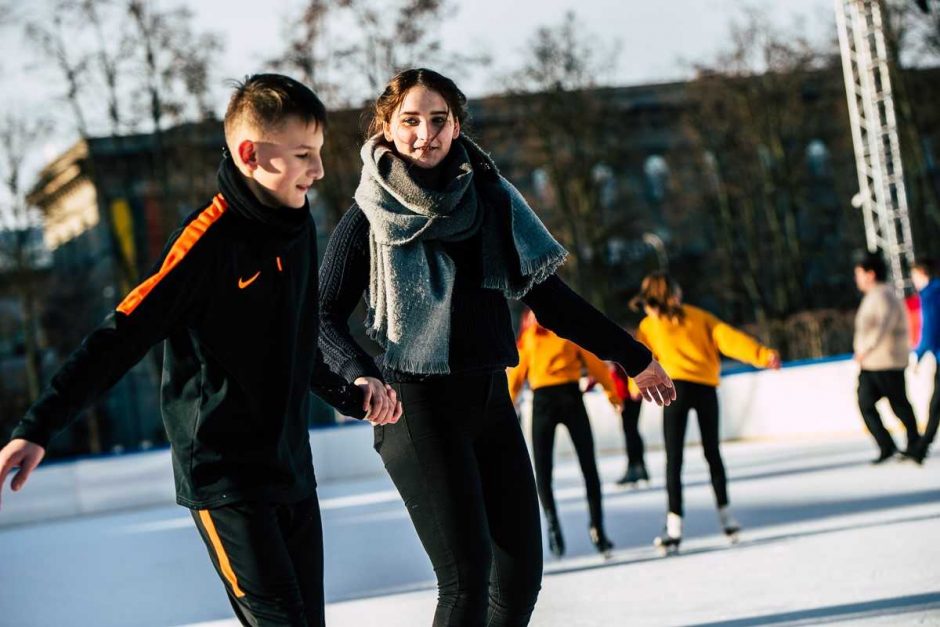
(173, 66)
(766, 120)
(19, 250)
(568, 129)
(307, 51)
(54, 43)
(386, 37)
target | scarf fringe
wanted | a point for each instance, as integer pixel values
(413, 366)
(534, 272)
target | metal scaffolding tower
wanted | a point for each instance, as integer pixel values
(882, 195)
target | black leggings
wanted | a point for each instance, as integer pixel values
(459, 461)
(704, 400)
(630, 417)
(563, 405)
(270, 558)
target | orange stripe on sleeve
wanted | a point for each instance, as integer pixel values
(183, 244)
(224, 565)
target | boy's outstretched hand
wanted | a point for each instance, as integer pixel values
(21, 454)
(655, 385)
(380, 402)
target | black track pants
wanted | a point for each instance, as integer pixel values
(270, 558)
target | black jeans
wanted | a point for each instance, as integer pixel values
(460, 463)
(270, 558)
(873, 385)
(630, 416)
(563, 405)
(704, 400)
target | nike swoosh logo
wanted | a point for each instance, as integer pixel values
(243, 283)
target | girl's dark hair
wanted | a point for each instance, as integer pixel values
(391, 98)
(659, 291)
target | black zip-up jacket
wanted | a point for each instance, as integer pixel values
(235, 299)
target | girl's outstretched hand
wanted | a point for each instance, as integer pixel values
(655, 385)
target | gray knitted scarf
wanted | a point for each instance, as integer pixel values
(411, 278)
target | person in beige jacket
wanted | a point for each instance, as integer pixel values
(881, 350)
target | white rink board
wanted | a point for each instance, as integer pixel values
(815, 400)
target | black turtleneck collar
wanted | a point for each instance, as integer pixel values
(438, 177)
(286, 221)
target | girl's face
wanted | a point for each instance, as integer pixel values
(423, 128)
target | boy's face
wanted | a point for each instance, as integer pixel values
(422, 128)
(919, 278)
(284, 163)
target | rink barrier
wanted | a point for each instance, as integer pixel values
(805, 399)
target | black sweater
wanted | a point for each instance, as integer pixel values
(235, 298)
(481, 330)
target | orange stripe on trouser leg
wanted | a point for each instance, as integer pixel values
(280, 268)
(224, 565)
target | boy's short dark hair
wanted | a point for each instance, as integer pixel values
(265, 101)
(872, 262)
(927, 265)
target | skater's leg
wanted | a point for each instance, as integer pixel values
(429, 455)
(250, 552)
(545, 419)
(512, 512)
(675, 419)
(706, 407)
(303, 531)
(869, 393)
(630, 417)
(579, 427)
(933, 418)
(895, 389)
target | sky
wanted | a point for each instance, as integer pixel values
(657, 42)
(657, 39)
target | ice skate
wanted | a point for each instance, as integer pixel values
(667, 543)
(729, 525)
(556, 542)
(601, 542)
(636, 477)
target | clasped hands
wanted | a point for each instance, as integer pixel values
(380, 401)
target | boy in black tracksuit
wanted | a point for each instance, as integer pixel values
(235, 299)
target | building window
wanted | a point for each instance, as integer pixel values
(817, 158)
(656, 171)
(603, 176)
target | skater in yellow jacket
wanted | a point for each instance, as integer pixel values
(689, 342)
(553, 367)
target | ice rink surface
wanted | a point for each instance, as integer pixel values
(827, 539)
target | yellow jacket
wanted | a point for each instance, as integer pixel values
(689, 350)
(546, 359)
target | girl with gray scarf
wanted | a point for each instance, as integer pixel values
(437, 241)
